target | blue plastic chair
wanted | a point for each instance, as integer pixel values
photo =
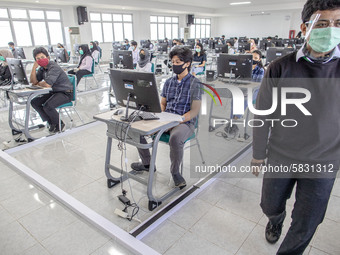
(91, 75)
(71, 104)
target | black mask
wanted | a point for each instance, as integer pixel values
(142, 56)
(256, 62)
(178, 69)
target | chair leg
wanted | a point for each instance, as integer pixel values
(85, 83)
(78, 114)
(95, 81)
(100, 68)
(59, 120)
(199, 149)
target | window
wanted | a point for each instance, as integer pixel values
(30, 27)
(108, 27)
(200, 28)
(163, 26)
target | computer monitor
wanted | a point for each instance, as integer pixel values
(277, 52)
(235, 66)
(136, 90)
(243, 40)
(60, 55)
(211, 44)
(278, 43)
(265, 44)
(221, 48)
(162, 47)
(256, 40)
(20, 52)
(50, 49)
(122, 59)
(160, 41)
(242, 47)
(17, 71)
(231, 41)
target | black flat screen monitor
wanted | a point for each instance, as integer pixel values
(17, 71)
(221, 48)
(122, 59)
(242, 47)
(60, 55)
(20, 52)
(277, 52)
(50, 49)
(162, 47)
(235, 66)
(138, 90)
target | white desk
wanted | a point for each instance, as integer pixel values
(23, 97)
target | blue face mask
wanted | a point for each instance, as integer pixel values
(324, 39)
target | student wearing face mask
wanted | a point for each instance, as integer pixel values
(13, 50)
(50, 75)
(258, 69)
(85, 63)
(126, 44)
(5, 74)
(181, 95)
(60, 46)
(144, 64)
(99, 48)
(94, 52)
(308, 153)
(199, 57)
(135, 53)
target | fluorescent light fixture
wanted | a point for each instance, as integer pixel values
(239, 3)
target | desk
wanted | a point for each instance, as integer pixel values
(222, 89)
(23, 97)
(67, 66)
(137, 129)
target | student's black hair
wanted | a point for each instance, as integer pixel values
(312, 6)
(260, 54)
(269, 38)
(202, 49)
(183, 53)
(134, 43)
(11, 43)
(39, 50)
(96, 42)
(62, 46)
(126, 40)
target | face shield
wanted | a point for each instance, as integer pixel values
(323, 35)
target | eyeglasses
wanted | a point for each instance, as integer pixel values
(326, 23)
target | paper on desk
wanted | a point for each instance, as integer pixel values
(168, 117)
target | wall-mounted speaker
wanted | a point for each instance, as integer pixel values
(82, 15)
(190, 19)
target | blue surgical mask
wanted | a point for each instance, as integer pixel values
(324, 39)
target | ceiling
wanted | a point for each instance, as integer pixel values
(198, 7)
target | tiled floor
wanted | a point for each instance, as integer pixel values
(225, 218)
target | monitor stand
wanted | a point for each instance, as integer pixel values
(126, 117)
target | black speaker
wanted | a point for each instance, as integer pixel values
(82, 15)
(190, 19)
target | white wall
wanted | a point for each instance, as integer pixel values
(277, 23)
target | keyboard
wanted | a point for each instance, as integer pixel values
(142, 116)
(34, 87)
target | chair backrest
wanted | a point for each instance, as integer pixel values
(73, 80)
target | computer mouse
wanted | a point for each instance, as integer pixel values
(118, 112)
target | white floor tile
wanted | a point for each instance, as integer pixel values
(5, 217)
(112, 248)
(326, 238)
(192, 244)
(162, 238)
(14, 239)
(36, 250)
(52, 218)
(77, 238)
(223, 229)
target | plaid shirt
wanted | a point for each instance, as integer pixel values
(179, 95)
(257, 74)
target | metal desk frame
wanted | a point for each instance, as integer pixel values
(14, 96)
(113, 122)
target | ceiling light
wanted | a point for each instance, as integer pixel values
(239, 3)
(37, 1)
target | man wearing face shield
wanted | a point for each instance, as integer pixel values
(309, 153)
